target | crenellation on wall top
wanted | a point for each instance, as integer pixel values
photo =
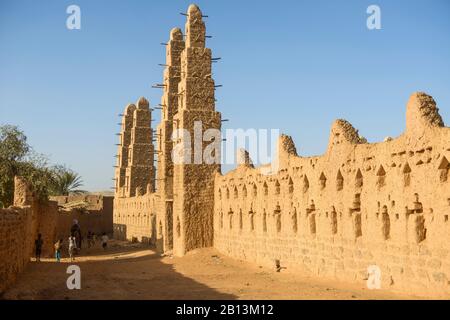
(345, 140)
(23, 196)
(343, 132)
(422, 114)
(243, 159)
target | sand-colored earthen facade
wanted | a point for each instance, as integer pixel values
(358, 205)
(385, 204)
(21, 223)
(177, 216)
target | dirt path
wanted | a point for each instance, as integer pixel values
(129, 271)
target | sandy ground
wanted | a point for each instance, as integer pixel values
(131, 271)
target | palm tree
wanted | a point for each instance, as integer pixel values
(66, 181)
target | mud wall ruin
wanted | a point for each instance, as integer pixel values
(21, 223)
(95, 214)
(385, 204)
(19, 226)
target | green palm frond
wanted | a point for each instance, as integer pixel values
(66, 182)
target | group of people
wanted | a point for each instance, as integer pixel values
(74, 241)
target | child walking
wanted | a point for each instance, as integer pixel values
(58, 246)
(104, 240)
(72, 247)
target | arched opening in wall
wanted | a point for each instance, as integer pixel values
(406, 175)
(421, 231)
(252, 221)
(290, 186)
(305, 184)
(334, 222)
(240, 220)
(359, 179)
(357, 225)
(444, 167)
(294, 221)
(244, 191)
(220, 194)
(322, 181)
(385, 223)
(178, 227)
(255, 190)
(339, 181)
(228, 193)
(357, 203)
(312, 223)
(230, 219)
(278, 222)
(264, 222)
(381, 177)
(277, 215)
(266, 189)
(235, 192)
(277, 187)
(221, 220)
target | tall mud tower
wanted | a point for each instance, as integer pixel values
(193, 178)
(135, 170)
(169, 103)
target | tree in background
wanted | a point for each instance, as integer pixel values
(66, 181)
(17, 158)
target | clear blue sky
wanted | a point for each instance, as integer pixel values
(293, 65)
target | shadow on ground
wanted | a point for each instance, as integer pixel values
(122, 273)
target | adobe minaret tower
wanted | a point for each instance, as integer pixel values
(169, 103)
(135, 172)
(193, 182)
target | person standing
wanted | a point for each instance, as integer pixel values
(38, 247)
(72, 247)
(58, 246)
(104, 241)
(75, 231)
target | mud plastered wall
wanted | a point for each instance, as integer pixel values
(19, 226)
(135, 218)
(385, 204)
(15, 247)
(97, 216)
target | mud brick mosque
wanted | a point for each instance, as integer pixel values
(358, 205)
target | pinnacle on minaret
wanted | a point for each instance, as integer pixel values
(172, 74)
(140, 169)
(176, 34)
(195, 28)
(196, 88)
(122, 152)
(143, 103)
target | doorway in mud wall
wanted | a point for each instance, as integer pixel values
(168, 241)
